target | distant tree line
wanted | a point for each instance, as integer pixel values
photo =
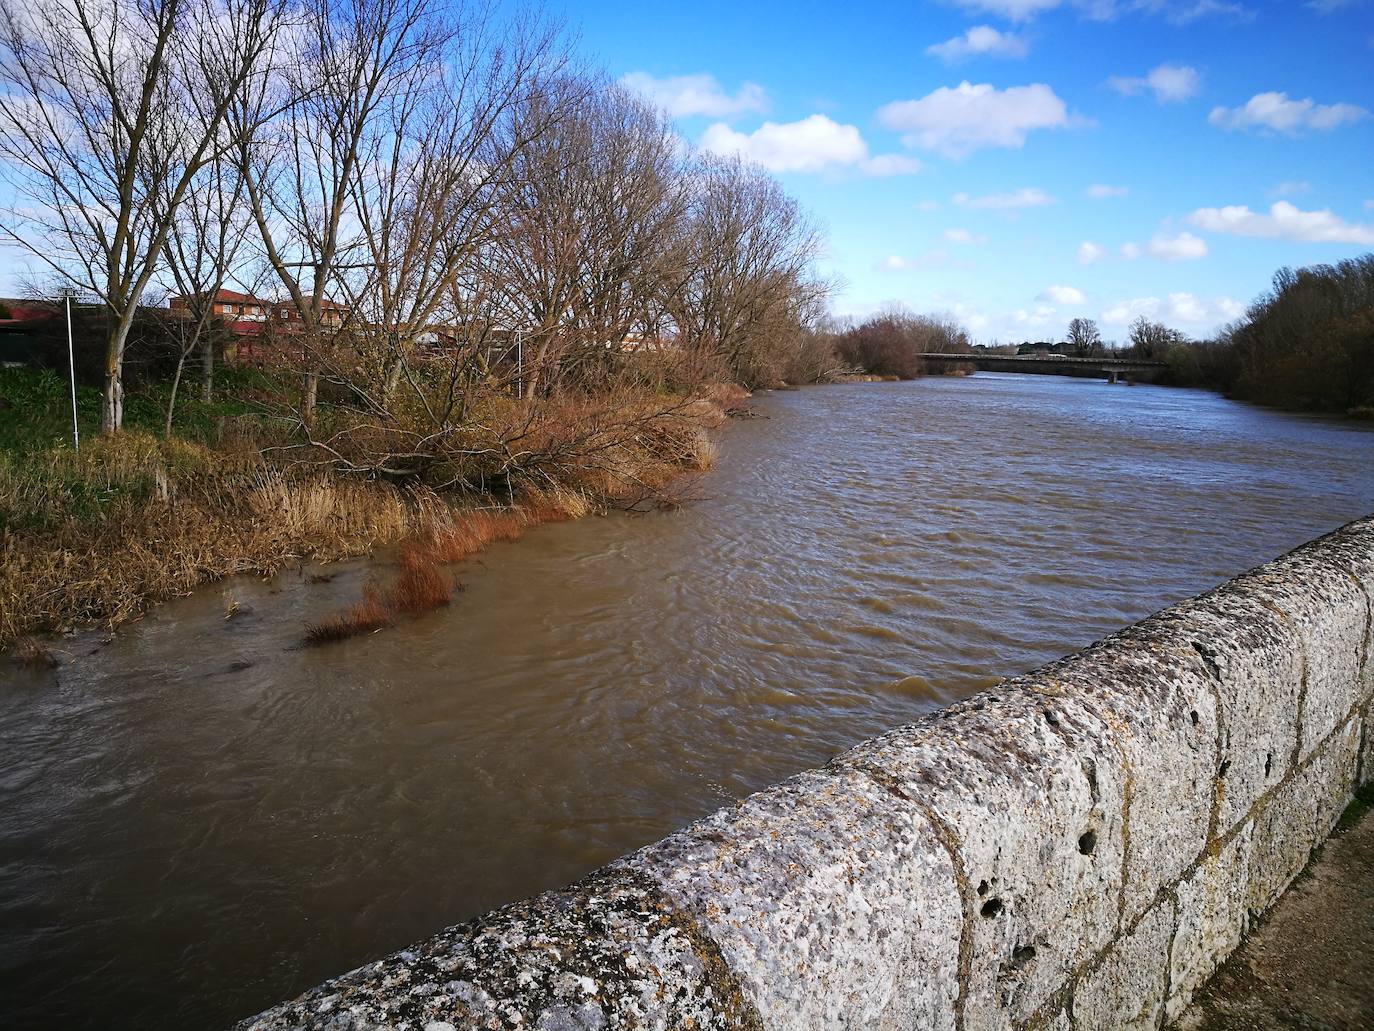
(892, 342)
(1306, 344)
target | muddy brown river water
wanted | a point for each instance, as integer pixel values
(199, 817)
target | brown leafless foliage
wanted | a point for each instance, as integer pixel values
(748, 287)
(203, 250)
(471, 240)
(591, 224)
(891, 343)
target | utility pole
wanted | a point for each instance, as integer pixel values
(67, 293)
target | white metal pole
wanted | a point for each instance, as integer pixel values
(71, 366)
(519, 365)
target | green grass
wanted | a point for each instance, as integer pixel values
(35, 406)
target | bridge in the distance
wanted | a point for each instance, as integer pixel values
(1110, 369)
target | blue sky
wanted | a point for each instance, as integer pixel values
(1017, 163)
(1021, 162)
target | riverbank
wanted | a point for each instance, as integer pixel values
(97, 536)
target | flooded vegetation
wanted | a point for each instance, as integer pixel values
(200, 816)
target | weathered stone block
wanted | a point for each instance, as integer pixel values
(1126, 990)
(832, 900)
(1030, 788)
(1159, 702)
(605, 953)
(1254, 656)
(1330, 609)
(1106, 825)
(1364, 772)
(1212, 918)
(1352, 548)
(1299, 815)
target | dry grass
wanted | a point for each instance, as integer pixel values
(97, 537)
(366, 616)
(107, 567)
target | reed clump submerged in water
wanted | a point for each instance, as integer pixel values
(421, 585)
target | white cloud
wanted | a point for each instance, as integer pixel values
(808, 145)
(1124, 312)
(1185, 14)
(1100, 191)
(966, 314)
(1179, 308)
(684, 95)
(1290, 189)
(1089, 252)
(1040, 315)
(813, 144)
(1062, 295)
(963, 236)
(1170, 83)
(1183, 247)
(1130, 251)
(1274, 111)
(1012, 10)
(885, 165)
(1180, 12)
(981, 40)
(1026, 197)
(957, 121)
(928, 205)
(1284, 222)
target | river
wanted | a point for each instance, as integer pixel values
(200, 817)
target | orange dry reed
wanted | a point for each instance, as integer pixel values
(421, 585)
(363, 617)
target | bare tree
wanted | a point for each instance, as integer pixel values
(202, 253)
(1084, 337)
(590, 226)
(109, 111)
(428, 198)
(1151, 340)
(748, 287)
(361, 70)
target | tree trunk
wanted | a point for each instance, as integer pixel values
(207, 369)
(172, 401)
(312, 386)
(112, 407)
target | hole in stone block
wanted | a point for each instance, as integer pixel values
(1268, 763)
(1051, 718)
(1023, 955)
(1087, 842)
(1225, 765)
(1192, 715)
(991, 907)
(982, 888)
